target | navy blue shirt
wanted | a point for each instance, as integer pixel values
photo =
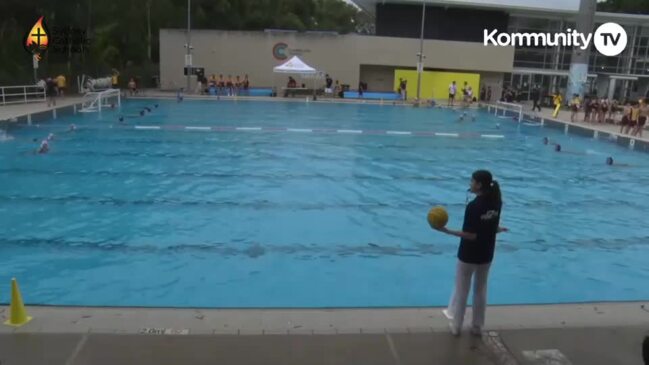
(481, 217)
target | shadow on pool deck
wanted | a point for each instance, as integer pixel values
(593, 334)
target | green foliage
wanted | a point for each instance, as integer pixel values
(624, 6)
(118, 29)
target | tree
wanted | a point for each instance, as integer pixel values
(124, 33)
(624, 6)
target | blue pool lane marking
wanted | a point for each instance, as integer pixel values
(316, 130)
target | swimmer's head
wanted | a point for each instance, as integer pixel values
(73, 127)
(35, 140)
(156, 105)
(545, 140)
(557, 148)
(121, 119)
(141, 112)
(609, 160)
(147, 109)
(112, 106)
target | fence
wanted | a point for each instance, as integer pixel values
(21, 94)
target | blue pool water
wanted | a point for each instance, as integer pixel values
(225, 218)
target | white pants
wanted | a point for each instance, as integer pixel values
(457, 305)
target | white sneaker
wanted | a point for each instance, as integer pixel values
(454, 330)
(447, 314)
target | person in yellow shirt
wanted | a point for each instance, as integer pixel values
(635, 114)
(557, 100)
(115, 79)
(61, 84)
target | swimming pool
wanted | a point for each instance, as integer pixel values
(287, 204)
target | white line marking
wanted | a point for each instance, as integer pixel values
(549, 356)
(398, 132)
(504, 117)
(393, 349)
(356, 131)
(147, 127)
(77, 350)
(248, 128)
(492, 136)
(302, 130)
(198, 128)
(439, 134)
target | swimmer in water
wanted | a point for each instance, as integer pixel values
(147, 109)
(156, 105)
(609, 162)
(141, 113)
(72, 128)
(50, 136)
(121, 120)
(44, 147)
(557, 148)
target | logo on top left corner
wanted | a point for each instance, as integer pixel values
(37, 39)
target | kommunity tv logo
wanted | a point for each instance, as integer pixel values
(610, 39)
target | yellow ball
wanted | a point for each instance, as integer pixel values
(437, 217)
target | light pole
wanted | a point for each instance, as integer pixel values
(420, 64)
(188, 57)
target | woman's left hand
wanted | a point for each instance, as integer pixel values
(441, 229)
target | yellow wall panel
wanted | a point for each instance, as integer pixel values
(434, 84)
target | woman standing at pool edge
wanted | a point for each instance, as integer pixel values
(476, 251)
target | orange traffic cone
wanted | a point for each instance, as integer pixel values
(17, 313)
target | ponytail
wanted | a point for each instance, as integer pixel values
(494, 193)
(490, 187)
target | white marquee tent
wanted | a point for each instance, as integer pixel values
(295, 66)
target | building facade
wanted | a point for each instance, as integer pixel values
(453, 42)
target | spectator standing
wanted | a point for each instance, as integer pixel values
(536, 96)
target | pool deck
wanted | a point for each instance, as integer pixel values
(8, 112)
(564, 117)
(594, 333)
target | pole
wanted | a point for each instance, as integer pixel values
(579, 61)
(188, 63)
(420, 64)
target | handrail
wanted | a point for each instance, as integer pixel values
(19, 94)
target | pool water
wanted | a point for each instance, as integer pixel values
(309, 216)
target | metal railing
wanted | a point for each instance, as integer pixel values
(21, 94)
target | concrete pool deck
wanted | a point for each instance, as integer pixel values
(594, 333)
